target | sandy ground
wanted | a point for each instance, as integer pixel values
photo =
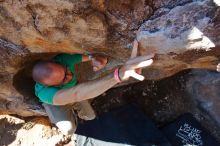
(33, 131)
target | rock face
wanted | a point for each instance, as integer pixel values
(182, 33)
(204, 88)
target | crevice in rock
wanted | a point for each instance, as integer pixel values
(35, 19)
(12, 48)
(22, 80)
(24, 83)
(35, 22)
(158, 12)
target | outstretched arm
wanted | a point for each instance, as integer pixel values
(95, 88)
(84, 91)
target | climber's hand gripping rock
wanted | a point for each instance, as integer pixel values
(132, 68)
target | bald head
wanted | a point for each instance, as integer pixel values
(48, 73)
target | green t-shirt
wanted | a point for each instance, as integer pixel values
(46, 93)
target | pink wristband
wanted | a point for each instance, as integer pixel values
(116, 75)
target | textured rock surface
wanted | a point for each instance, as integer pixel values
(190, 91)
(204, 88)
(16, 131)
(183, 34)
(182, 28)
(155, 98)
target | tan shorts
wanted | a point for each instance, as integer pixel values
(65, 118)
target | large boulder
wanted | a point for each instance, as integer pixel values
(182, 33)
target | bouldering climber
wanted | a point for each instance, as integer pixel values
(56, 85)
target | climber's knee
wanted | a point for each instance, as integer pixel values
(63, 117)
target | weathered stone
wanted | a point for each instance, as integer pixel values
(183, 34)
(48, 26)
(183, 28)
(204, 87)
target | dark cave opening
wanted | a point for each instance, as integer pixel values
(23, 81)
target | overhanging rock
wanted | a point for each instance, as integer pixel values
(182, 33)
